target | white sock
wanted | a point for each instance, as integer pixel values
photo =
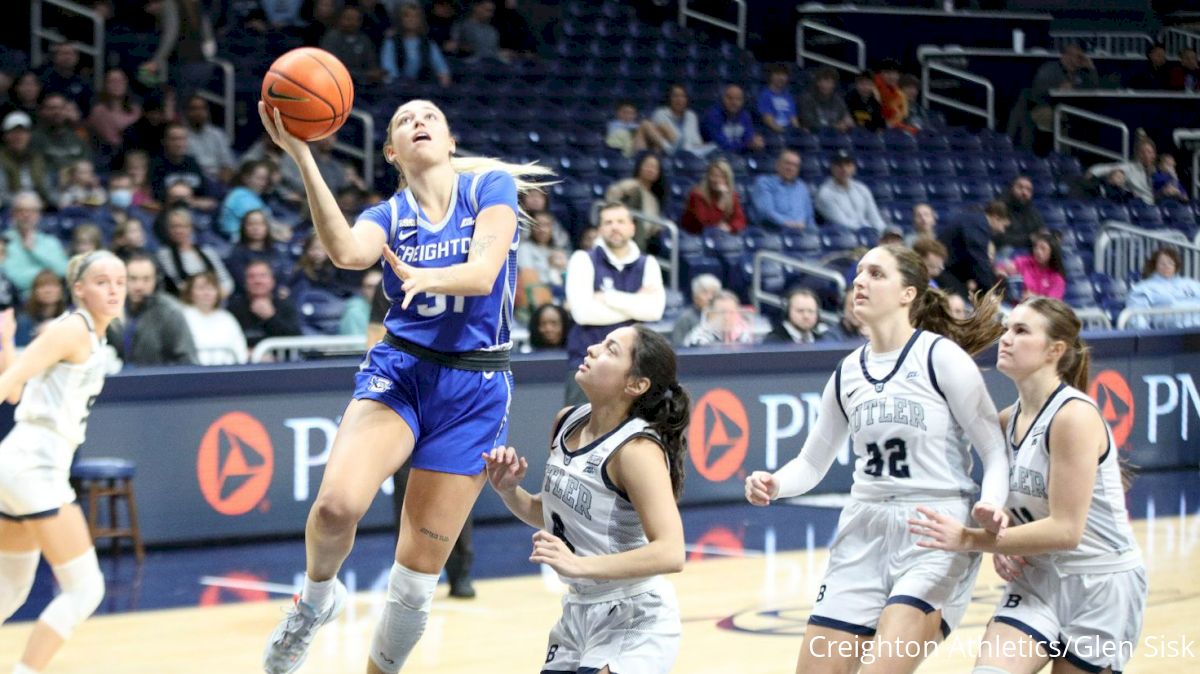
(317, 594)
(22, 669)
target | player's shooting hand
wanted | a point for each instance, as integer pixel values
(293, 146)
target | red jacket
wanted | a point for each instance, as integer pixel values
(701, 214)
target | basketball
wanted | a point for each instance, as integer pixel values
(312, 91)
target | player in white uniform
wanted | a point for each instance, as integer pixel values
(909, 400)
(56, 379)
(1076, 584)
(606, 514)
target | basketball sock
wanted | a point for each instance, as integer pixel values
(17, 570)
(317, 593)
(410, 596)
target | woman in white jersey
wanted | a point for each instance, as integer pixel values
(910, 400)
(56, 379)
(1076, 584)
(606, 513)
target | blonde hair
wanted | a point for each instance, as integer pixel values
(725, 202)
(78, 266)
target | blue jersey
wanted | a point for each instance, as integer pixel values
(437, 322)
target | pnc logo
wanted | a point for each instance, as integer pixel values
(1111, 393)
(235, 463)
(718, 435)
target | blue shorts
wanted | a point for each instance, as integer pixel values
(455, 415)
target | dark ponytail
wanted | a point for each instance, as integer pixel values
(665, 405)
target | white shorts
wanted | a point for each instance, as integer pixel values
(35, 471)
(1092, 620)
(634, 635)
(874, 562)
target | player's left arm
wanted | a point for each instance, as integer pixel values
(57, 342)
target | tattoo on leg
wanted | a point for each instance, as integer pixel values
(435, 536)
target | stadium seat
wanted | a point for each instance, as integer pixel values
(837, 239)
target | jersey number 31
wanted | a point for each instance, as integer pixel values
(438, 305)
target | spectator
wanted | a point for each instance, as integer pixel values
(714, 202)
(645, 192)
(57, 137)
(782, 200)
(207, 143)
(541, 263)
(1186, 75)
(336, 174)
(62, 75)
(375, 21)
(1025, 220)
(120, 202)
(253, 179)
(1042, 271)
(180, 257)
(320, 17)
(186, 41)
(728, 123)
(1165, 181)
(959, 309)
(846, 202)
(316, 272)
(776, 106)
(255, 243)
(31, 250)
(1137, 173)
(357, 312)
(129, 238)
(863, 103)
(679, 126)
(1116, 188)
(892, 100)
(924, 223)
(919, 116)
(474, 37)
(146, 134)
(46, 302)
(609, 286)
(154, 331)
(443, 15)
(1155, 74)
(516, 37)
(1072, 71)
(260, 309)
(704, 288)
(934, 255)
(25, 93)
(215, 332)
(723, 323)
(78, 185)
(23, 167)
(588, 236)
(353, 48)
(137, 166)
(114, 111)
(85, 238)
(628, 134)
(548, 328)
(175, 165)
(801, 323)
(411, 54)
(850, 327)
(892, 236)
(822, 106)
(1163, 288)
(967, 237)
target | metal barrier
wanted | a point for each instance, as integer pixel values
(758, 296)
(738, 28)
(988, 113)
(1061, 139)
(225, 98)
(366, 153)
(1106, 42)
(1094, 319)
(95, 49)
(1178, 39)
(1122, 249)
(805, 28)
(672, 262)
(1140, 318)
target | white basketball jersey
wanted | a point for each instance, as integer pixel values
(583, 507)
(1108, 544)
(906, 443)
(61, 397)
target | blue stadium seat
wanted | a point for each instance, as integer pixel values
(866, 143)
(836, 239)
(1146, 215)
(933, 141)
(615, 167)
(1109, 288)
(1065, 165)
(804, 243)
(1073, 265)
(944, 189)
(835, 142)
(882, 189)
(874, 166)
(1054, 215)
(1079, 293)
(1005, 168)
(906, 165)
(909, 190)
(1082, 211)
(867, 236)
(758, 239)
(974, 166)
(320, 311)
(805, 143)
(965, 143)
(939, 165)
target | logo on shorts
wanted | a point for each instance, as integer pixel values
(1112, 395)
(378, 384)
(718, 435)
(234, 464)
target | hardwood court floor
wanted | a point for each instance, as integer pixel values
(741, 615)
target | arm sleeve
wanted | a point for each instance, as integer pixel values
(829, 435)
(581, 296)
(973, 409)
(647, 304)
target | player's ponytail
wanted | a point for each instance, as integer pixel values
(665, 405)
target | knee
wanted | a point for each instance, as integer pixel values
(335, 512)
(411, 589)
(82, 591)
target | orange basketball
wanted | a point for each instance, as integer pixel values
(312, 90)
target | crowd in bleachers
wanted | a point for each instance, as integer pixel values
(764, 158)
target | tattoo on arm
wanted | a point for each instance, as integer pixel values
(481, 244)
(435, 536)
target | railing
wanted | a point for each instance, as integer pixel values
(1061, 139)
(1094, 319)
(365, 153)
(758, 296)
(1178, 39)
(225, 98)
(672, 263)
(988, 113)
(95, 49)
(1106, 42)
(738, 28)
(804, 28)
(1122, 249)
(1183, 316)
(1185, 138)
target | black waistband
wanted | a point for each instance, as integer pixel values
(474, 361)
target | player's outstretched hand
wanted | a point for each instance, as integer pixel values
(505, 469)
(939, 531)
(993, 519)
(1008, 567)
(551, 550)
(761, 488)
(414, 280)
(293, 146)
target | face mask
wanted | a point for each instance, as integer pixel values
(121, 198)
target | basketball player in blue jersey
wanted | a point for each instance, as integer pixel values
(56, 379)
(606, 513)
(1076, 583)
(437, 389)
(909, 400)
